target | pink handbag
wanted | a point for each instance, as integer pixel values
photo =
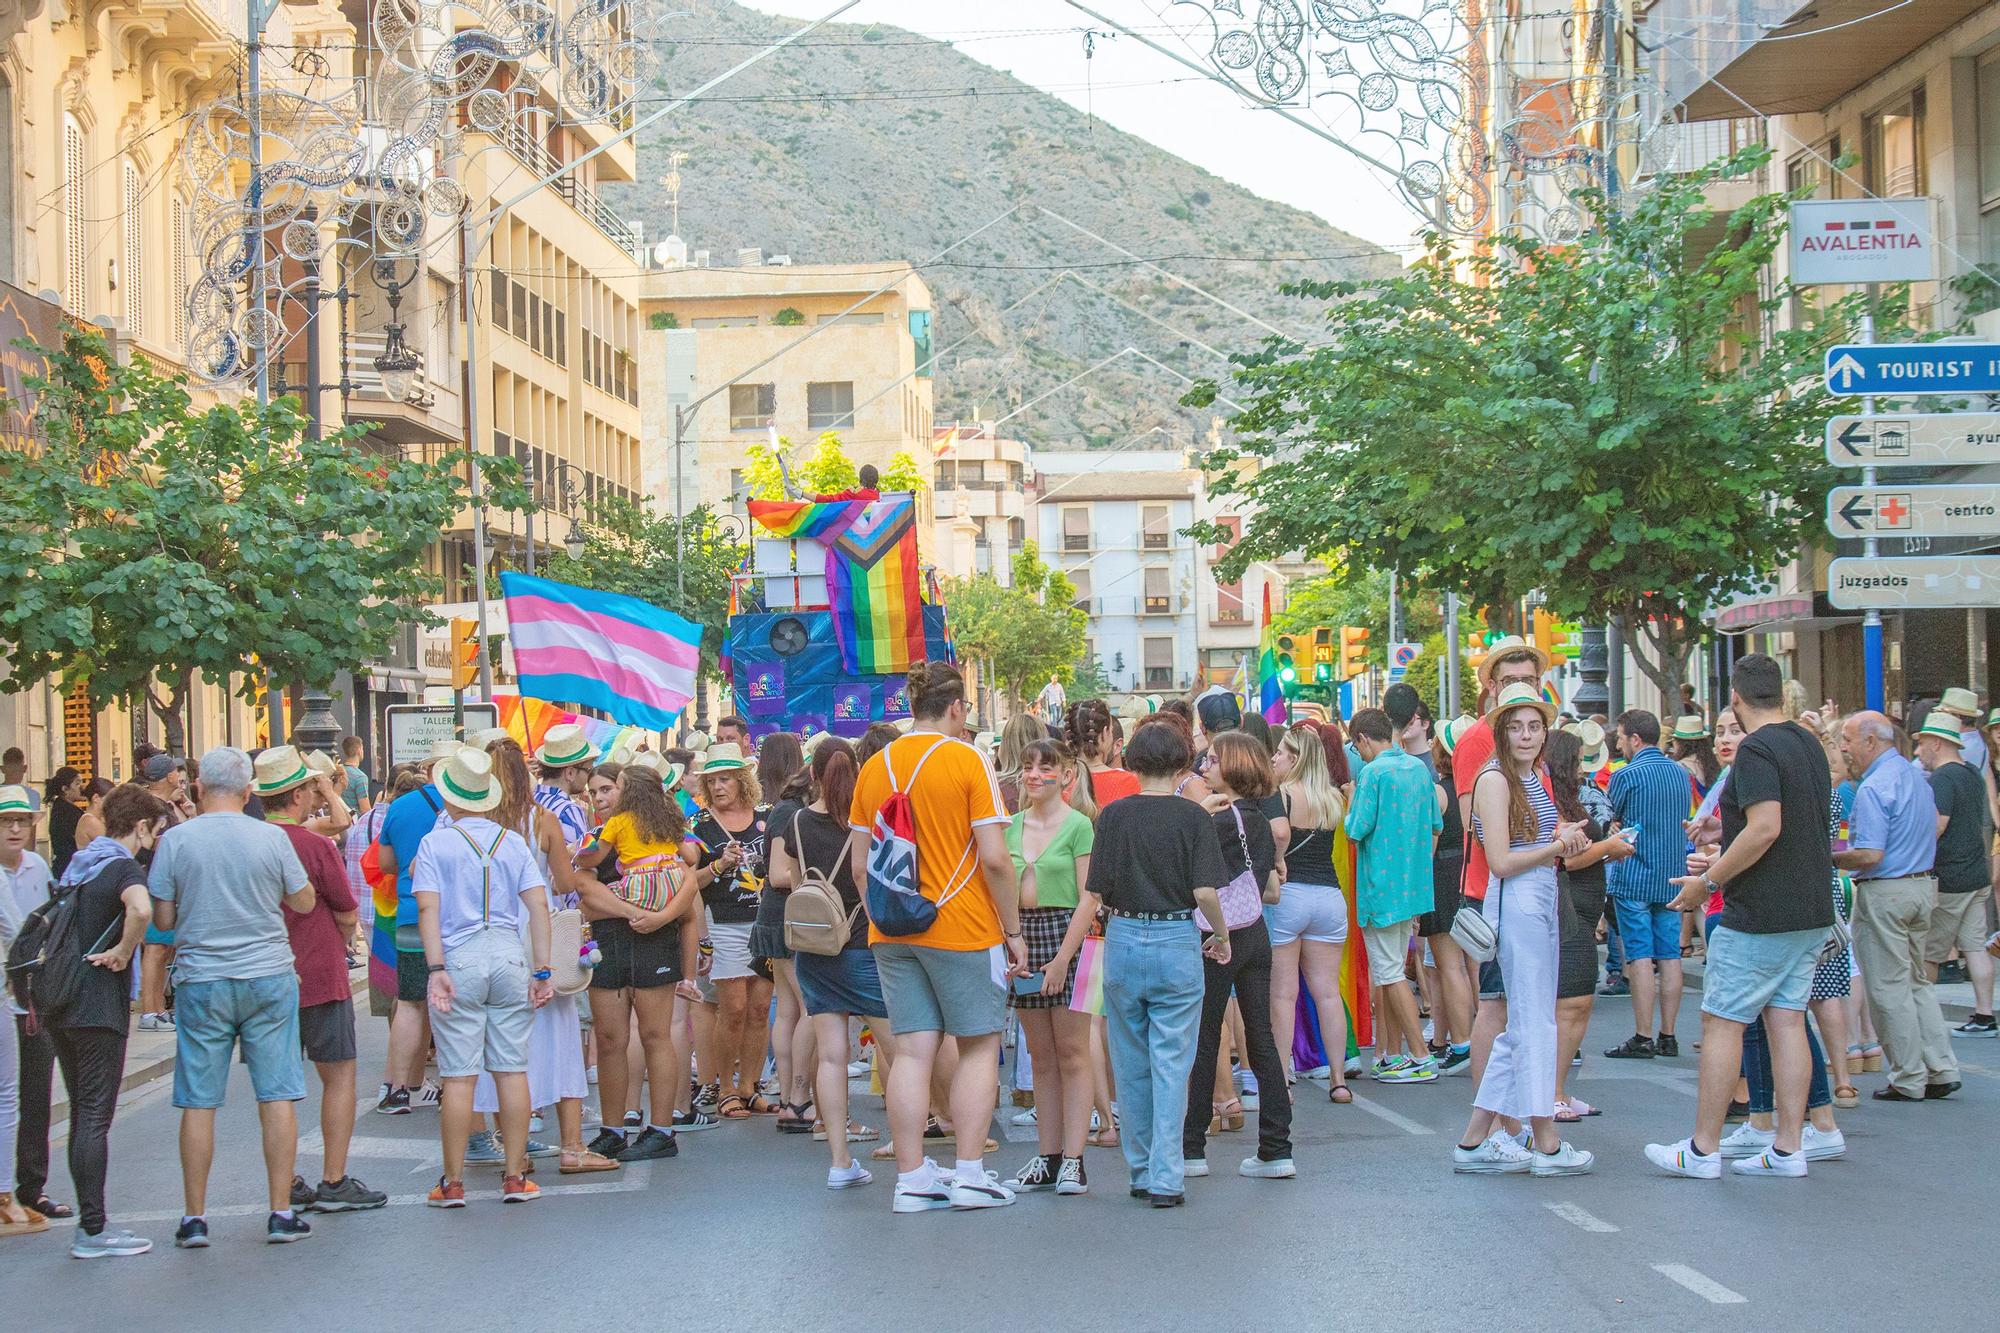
(1242, 901)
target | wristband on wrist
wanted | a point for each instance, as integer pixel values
(434, 968)
(541, 974)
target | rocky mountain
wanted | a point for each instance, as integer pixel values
(868, 142)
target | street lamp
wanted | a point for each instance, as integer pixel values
(574, 543)
(397, 364)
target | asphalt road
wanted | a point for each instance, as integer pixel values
(739, 1231)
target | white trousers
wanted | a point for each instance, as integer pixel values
(1520, 1078)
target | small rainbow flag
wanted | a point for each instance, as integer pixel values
(875, 585)
(382, 935)
(819, 519)
(1270, 691)
(1086, 996)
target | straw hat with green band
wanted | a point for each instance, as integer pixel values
(1960, 702)
(1993, 718)
(564, 745)
(669, 774)
(1518, 694)
(1944, 726)
(1452, 732)
(1509, 646)
(724, 758)
(442, 749)
(16, 801)
(487, 737)
(1690, 727)
(466, 781)
(1590, 735)
(281, 768)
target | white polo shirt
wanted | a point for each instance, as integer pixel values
(480, 874)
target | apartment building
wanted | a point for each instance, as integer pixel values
(981, 483)
(746, 346)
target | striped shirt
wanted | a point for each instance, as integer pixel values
(1651, 793)
(575, 823)
(1539, 801)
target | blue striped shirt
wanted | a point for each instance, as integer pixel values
(1653, 793)
(571, 815)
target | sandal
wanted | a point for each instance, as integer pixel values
(1228, 1116)
(48, 1207)
(31, 1220)
(1847, 1097)
(856, 1132)
(581, 1161)
(1340, 1093)
(883, 1151)
(795, 1119)
(731, 1107)
(1102, 1138)
(1871, 1060)
(1566, 1114)
(1580, 1106)
(758, 1104)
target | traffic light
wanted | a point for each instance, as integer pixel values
(1543, 633)
(1288, 671)
(464, 652)
(1353, 651)
(1322, 655)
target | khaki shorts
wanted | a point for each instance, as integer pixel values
(1957, 922)
(1388, 949)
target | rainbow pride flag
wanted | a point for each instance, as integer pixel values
(1270, 693)
(874, 582)
(818, 519)
(381, 936)
(1086, 995)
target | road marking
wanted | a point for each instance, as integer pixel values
(1700, 1284)
(1579, 1218)
(1381, 1112)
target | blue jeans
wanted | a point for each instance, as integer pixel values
(1757, 1070)
(1152, 1008)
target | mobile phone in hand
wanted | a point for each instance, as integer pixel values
(1030, 984)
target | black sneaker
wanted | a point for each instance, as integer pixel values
(282, 1230)
(1454, 1059)
(302, 1194)
(1951, 971)
(1167, 1200)
(1979, 1025)
(347, 1195)
(1070, 1178)
(1615, 986)
(1668, 1045)
(608, 1143)
(396, 1101)
(650, 1145)
(687, 1122)
(1038, 1174)
(1636, 1048)
(192, 1234)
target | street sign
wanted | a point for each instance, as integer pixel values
(1944, 582)
(1899, 369)
(1913, 511)
(1921, 440)
(414, 728)
(1862, 240)
(1400, 656)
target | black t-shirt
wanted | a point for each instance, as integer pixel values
(1309, 855)
(1153, 852)
(733, 897)
(63, 819)
(1256, 832)
(1786, 889)
(1961, 850)
(819, 842)
(1272, 807)
(102, 995)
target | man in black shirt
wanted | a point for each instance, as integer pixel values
(1774, 873)
(1965, 877)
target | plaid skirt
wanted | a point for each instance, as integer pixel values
(1042, 930)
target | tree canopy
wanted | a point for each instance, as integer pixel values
(1020, 634)
(825, 471)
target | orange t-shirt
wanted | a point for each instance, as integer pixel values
(1112, 784)
(953, 794)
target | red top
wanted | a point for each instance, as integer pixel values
(318, 950)
(1112, 784)
(1474, 752)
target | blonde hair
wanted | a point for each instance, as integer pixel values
(1314, 794)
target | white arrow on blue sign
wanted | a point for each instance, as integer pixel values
(1907, 368)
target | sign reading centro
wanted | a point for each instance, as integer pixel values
(1862, 240)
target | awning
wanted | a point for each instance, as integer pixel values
(1790, 613)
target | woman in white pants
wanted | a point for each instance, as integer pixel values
(1523, 837)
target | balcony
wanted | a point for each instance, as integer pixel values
(535, 156)
(428, 414)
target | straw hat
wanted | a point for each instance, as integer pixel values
(903, 724)
(281, 768)
(652, 762)
(1519, 694)
(812, 743)
(1513, 643)
(564, 745)
(1690, 727)
(486, 737)
(1596, 754)
(466, 781)
(1993, 718)
(696, 741)
(1452, 732)
(1943, 725)
(1960, 702)
(16, 801)
(442, 750)
(322, 764)
(724, 758)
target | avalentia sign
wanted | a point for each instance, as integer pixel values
(1862, 241)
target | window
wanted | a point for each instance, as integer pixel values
(500, 321)
(752, 406)
(1080, 578)
(520, 327)
(1159, 589)
(1229, 596)
(1893, 146)
(134, 262)
(947, 477)
(1159, 659)
(830, 406)
(1155, 535)
(76, 284)
(1987, 95)
(739, 492)
(874, 317)
(177, 249)
(1017, 533)
(1075, 528)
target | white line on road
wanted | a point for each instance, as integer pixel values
(1577, 1217)
(1700, 1284)
(1381, 1112)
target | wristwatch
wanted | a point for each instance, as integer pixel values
(541, 974)
(434, 968)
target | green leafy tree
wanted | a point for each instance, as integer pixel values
(1604, 421)
(904, 473)
(145, 542)
(1020, 634)
(827, 470)
(632, 550)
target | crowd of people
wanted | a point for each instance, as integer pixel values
(1161, 898)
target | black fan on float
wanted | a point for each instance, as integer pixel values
(788, 637)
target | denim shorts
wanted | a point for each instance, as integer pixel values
(1316, 912)
(211, 1017)
(491, 1015)
(1747, 974)
(951, 991)
(843, 983)
(1651, 931)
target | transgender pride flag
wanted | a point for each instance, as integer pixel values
(629, 658)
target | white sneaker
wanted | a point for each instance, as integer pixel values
(1498, 1156)
(1747, 1141)
(923, 1198)
(857, 1069)
(1768, 1163)
(1322, 1074)
(156, 1023)
(1680, 1159)
(425, 1097)
(1194, 1167)
(1024, 1118)
(987, 1192)
(1564, 1161)
(1259, 1169)
(848, 1177)
(1823, 1147)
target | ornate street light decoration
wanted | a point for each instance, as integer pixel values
(397, 365)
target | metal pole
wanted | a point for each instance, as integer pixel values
(258, 13)
(476, 482)
(680, 511)
(1871, 621)
(1451, 656)
(1394, 607)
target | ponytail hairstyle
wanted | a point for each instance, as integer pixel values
(1082, 789)
(1090, 730)
(52, 790)
(516, 810)
(833, 773)
(933, 688)
(1564, 756)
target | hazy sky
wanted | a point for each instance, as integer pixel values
(1041, 42)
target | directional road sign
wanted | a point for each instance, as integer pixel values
(1913, 511)
(1919, 440)
(1907, 368)
(1943, 581)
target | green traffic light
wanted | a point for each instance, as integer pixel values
(1287, 674)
